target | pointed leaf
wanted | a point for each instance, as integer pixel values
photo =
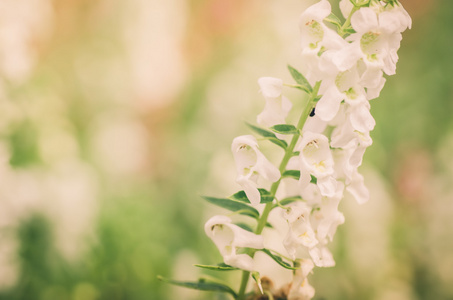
(219, 267)
(296, 153)
(234, 205)
(281, 143)
(333, 19)
(268, 135)
(314, 179)
(202, 285)
(292, 173)
(244, 226)
(241, 196)
(256, 276)
(278, 259)
(349, 30)
(296, 175)
(300, 79)
(289, 200)
(261, 131)
(285, 129)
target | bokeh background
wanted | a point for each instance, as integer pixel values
(115, 116)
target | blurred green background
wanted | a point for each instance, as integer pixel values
(115, 116)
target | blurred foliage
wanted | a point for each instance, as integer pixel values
(145, 221)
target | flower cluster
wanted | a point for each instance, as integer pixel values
(343, 66)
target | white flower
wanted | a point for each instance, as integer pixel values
(345, 136)
(346, 163)
(377, 37)
(316, 159)
(251, 164)
(358, 189)
(360, 117)
(401, 22)
(300, 233)
(346, 7)
(300, 288)
(317, 38)
(322, 257)
(344, 86)
(277, 105)
(343, 167)
(346, 167)
(229, 237)
(313, 31)
(325, 216)
(405, 20)
(372, 79)
(373, 92)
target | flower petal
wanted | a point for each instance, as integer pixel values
(358, 189)
(361, 118)
(271, 87)
(364, 20)
(329, 104)
(327, 186)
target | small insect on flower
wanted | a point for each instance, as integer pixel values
(312, 113)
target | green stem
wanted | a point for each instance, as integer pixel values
(288, 154)
(347, 22)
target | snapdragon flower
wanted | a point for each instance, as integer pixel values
(250, 164)
(229, 237)
(346, 169)
(377, 37)
(300, 288)
(322, 257)
(342, 71)
(325, 217)
(300, 235)
(316, 159)
(357, 188)
(345, 86)
(317, 38)
(345, 136)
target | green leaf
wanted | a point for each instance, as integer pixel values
(314, 179)
(202, 285)
(219, 267)
(289, 200)
(333, 19)
(256, 276)
(266, 196)
(261, 131)
(296, 153)
(281, 143)
(349, 30)
(296, 175)
(269, 136)
(234, 205)
(300, 79)
(244, 226)
(285, 129)
(292, 173)
(278, 259)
